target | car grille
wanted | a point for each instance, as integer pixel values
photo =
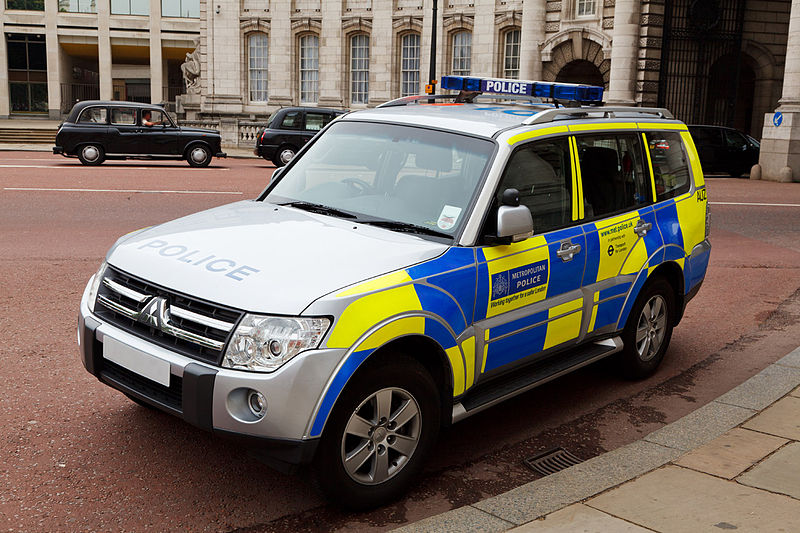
(186, 325)
(168, 396)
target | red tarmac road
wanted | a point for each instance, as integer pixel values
(76, 455)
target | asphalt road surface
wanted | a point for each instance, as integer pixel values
(76, 455)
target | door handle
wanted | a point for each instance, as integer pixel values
(642, 228)
(568, 251)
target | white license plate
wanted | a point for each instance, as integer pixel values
(136, 361)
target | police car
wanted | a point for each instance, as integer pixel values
(416, 264)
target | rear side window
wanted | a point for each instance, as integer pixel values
(94, 115)
(293, 120)
(542, 174)
(123, 115)
(670, 164)
(612, 173)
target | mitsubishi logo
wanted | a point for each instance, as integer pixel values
(155, 313)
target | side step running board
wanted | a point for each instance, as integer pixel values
(494, 392)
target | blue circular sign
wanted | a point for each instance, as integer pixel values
(777, 119)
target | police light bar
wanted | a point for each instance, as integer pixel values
(586, 94)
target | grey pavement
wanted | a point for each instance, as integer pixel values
(732, 464)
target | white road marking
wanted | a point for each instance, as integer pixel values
(755, 204)
(117, 190)
(110, 167)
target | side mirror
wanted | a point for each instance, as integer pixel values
(276, 173)
(514, 221)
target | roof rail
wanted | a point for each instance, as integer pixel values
(405, 100)
(550, 115)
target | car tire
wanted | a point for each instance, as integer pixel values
(91, 154)
(198, 156)
(363, 427)
(284, 154)
(648, 331)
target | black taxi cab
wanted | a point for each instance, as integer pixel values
(289, 129)
(98, 130)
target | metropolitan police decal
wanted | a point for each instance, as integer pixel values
(530, 279)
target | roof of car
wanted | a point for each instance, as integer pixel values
(79, 106)
(489, 119)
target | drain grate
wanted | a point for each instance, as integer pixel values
(551, 462)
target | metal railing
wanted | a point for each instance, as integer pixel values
(77, 92)
(171, 91)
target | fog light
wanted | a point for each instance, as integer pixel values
(257, 403)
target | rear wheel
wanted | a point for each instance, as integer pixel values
(284, 154)
(649, 329)
(379, 434)
(91, 154)
(198, 156)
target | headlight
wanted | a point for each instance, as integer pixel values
(95, 286)
(264, 343)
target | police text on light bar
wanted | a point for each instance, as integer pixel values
(587, 94)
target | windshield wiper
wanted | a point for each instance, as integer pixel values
(406, 227)
(321, 209)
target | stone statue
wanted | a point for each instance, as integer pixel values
(191, 70)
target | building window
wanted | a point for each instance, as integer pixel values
(586, 8)
(511, 55)
(309, 68)
(29, 5)
(359, 69)
(27, 72)
(180, 8)
(409, 64)
(77, 6)
(258, 47)
(462, 53)
(130, 7)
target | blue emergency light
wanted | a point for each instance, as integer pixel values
(585, 94)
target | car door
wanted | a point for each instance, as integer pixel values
(160, 137)
(123, 131)
(619, 222)
(315, 121)
(529, 297)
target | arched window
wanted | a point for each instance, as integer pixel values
(462, 53)
(309, 68)
(511, 54)
(409, 64)
(258, 45)
(359, 69)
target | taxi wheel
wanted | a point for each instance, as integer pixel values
(647, 334)
(91, 154)
(380, 431)
(283, 155)
(198, 156)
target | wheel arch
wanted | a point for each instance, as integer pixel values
(673, 273)
(191, 144)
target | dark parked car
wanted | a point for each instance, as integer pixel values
(288, 129)
(95, 131)
(724, 149)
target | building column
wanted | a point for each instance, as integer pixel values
(381, 57)
(532, 36)
(779, 159)
(483, 39)
(5, 104)
(624, 53)
(104, 59)
(282, 68)
(53, 66)
(330, 56)
(156, 66)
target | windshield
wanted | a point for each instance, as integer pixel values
(379, 172)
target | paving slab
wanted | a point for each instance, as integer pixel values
(779, 473)
(796, 392)
(763, 389)
(679, 500)
(700, 426)
(551, 493)
(781, 419)
(579, 518)
(732, 453)
(792, 359)
(465, 518)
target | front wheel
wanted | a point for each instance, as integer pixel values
(647, 334)
(198, 156)
(379, 434)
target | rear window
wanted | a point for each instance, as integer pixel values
(95, 115)
(670, 164)
(293, 120)
(123, 115)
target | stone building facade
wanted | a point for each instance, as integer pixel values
(246, 58)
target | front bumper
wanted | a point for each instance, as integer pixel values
(220, 154)
(214, 398)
